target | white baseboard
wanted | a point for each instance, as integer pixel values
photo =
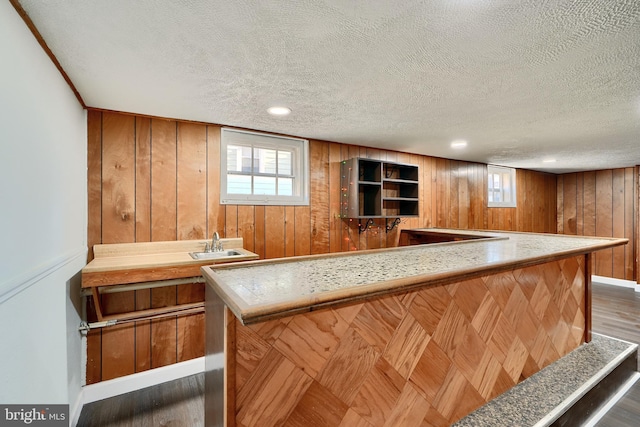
(616, 282)
(133, 382)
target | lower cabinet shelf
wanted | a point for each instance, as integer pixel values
(400, 207)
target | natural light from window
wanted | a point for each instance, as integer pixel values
(501, 187)
(263, 169)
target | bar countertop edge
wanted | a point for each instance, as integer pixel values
(257, 291)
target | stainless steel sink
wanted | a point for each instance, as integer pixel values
(214, 255)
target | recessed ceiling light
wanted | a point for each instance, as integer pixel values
(278, 111)
(549, 161)
(459, 143)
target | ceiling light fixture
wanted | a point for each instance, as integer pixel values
(459, 143)
(279, 111)
(549, 161)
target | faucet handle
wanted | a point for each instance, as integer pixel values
(207, 248)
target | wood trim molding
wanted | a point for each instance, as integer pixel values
(588, 269)
(25, 17)
(195, 122)
(636, 226)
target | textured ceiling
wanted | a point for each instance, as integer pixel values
(522, 81)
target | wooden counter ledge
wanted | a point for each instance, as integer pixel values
(124, 263)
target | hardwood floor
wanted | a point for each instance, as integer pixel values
(616, 313)
(178, 403)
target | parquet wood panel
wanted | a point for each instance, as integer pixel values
(616, 313)
(426, 357)
(158, 179)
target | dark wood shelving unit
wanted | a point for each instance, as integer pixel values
(378, 189)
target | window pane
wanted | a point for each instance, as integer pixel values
(238, 184)
(266, 161)
(501, 187)
(285, 186)
(238, 158)
(264, 185)
(263, 169)
(234, 158)
(506, 187)
(284, 163)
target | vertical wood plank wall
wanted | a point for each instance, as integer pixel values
(602, 203)
(153, 179)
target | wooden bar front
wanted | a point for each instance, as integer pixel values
(423, 357)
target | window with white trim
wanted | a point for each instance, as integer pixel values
(501, 187)
(263, 169)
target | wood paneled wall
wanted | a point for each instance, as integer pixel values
(602, 203)
(152, 179)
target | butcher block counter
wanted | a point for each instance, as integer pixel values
(121, 263)
(392, 336)
(127, 266)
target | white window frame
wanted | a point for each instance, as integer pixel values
(300, 166)
(506, 186)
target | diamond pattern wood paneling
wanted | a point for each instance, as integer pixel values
(424, 358)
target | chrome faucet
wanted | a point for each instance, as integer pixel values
(216, 245)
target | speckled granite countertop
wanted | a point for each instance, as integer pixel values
(260, 290)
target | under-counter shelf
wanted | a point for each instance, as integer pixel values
(379, 189)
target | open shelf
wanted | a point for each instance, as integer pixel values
(369, 171)
(379, 189)
(369, 200)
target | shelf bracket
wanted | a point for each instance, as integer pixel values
(390, 226)
(362, 229)
(389, 172)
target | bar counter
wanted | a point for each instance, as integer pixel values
(396, 336)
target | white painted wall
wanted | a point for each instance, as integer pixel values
(43, 222)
